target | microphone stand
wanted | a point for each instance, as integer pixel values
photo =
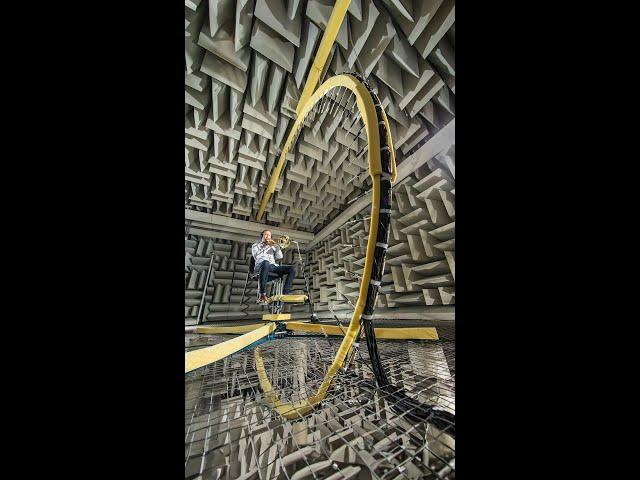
(314, 317)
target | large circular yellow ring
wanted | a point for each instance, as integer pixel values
(366, 106)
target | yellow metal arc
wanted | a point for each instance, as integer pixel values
(367, 108)
(365, 105)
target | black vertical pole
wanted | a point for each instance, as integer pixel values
(314, 317)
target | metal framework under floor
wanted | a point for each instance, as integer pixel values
(231, 431)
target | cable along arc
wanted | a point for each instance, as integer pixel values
(382, 170)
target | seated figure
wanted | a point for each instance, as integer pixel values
(266, 252)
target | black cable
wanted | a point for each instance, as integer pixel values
(401, 403)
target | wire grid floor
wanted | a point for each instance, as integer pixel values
(231, 432)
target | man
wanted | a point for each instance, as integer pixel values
(266, 252)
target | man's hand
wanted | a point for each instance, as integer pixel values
(271, 242)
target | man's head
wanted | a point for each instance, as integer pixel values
(266, 235)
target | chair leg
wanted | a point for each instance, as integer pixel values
(280, 289)
(272, 305)
(275, 290)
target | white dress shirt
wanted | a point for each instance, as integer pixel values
(264, 252)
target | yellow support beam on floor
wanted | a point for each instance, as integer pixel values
(276, 317)
(230, 329)
(413, 333)
(391, 333)
(382, 333)
(288, 298)
(315, 328)
(199, 358)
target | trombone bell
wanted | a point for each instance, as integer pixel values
(284, 241)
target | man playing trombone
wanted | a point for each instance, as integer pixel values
(266, 252)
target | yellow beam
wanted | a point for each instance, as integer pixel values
(417, 333)
(324, 49)
(231, 329)
(382, 333)
(272, 317)
(315, 328)
(287, 298)
(392, 333)
(199, 358)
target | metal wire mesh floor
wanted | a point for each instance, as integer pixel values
(231, 431)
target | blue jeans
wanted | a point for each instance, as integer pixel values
(288, 270)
